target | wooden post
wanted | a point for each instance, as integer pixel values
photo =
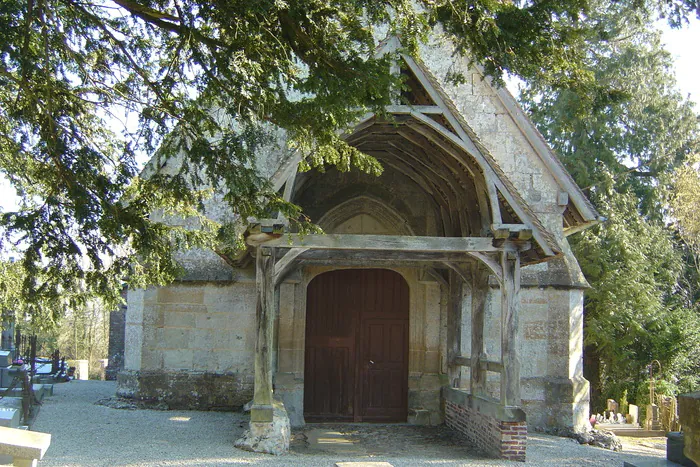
(261, 411)
(510, 307)
(454, 327)
(480, 288)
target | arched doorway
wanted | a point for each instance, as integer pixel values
(356, 351)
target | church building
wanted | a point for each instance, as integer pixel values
(442, 291)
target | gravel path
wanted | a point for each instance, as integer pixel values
(87, 434)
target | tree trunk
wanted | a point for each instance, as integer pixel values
(591, 371)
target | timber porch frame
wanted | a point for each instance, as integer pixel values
(484, 226)
(467, 259)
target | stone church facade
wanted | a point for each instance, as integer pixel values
(444, 290)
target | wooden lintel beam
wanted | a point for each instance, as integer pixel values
(383, 243)
(373, 256)
(408, 109)
(365, 263)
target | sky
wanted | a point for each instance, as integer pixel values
(684, 46)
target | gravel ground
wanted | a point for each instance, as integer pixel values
(87, 434)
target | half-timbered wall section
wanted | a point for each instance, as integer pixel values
(474, 301)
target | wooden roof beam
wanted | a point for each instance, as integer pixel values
(380, 243)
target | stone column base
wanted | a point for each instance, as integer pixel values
(268, 437)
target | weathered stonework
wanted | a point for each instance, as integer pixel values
(187, 390)
(268, 438)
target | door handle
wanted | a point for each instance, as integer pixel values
(371, 362)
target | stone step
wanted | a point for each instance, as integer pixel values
(651, 463)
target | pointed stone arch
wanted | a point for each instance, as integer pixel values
(365, 205)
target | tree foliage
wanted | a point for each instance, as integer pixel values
(88, 86)
(622, 143)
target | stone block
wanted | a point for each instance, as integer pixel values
(480, 87)
(153, 316)
(175, 338)
(236, 361)
(533, 361)
(181, 294)
(431, 382)
(5, 358)
(292, 395)
(9, 402)
(132, 345)
(178, 319)
(9, 418)
(219, 321)
(134, 314)
(536, 330)
(178, 359)
(291, 361)
(26, 447)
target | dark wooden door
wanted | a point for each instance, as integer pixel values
(356, 361)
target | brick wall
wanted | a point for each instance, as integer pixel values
(500, 439)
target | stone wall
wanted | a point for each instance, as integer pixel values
(487, 425)
(191, 345)
(554, 393)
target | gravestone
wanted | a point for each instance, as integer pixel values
(633, 415)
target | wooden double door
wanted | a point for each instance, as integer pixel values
(356, 360)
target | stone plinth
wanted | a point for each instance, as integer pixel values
(268, 437)
(689, 414)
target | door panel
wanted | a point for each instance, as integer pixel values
(329, 360)
(385, 377)
(356, 361)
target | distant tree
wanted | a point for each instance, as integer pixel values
(622, 143)
(685, 204)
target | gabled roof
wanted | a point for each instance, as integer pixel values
(434, 115)
(463, 131)
(579, 213)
